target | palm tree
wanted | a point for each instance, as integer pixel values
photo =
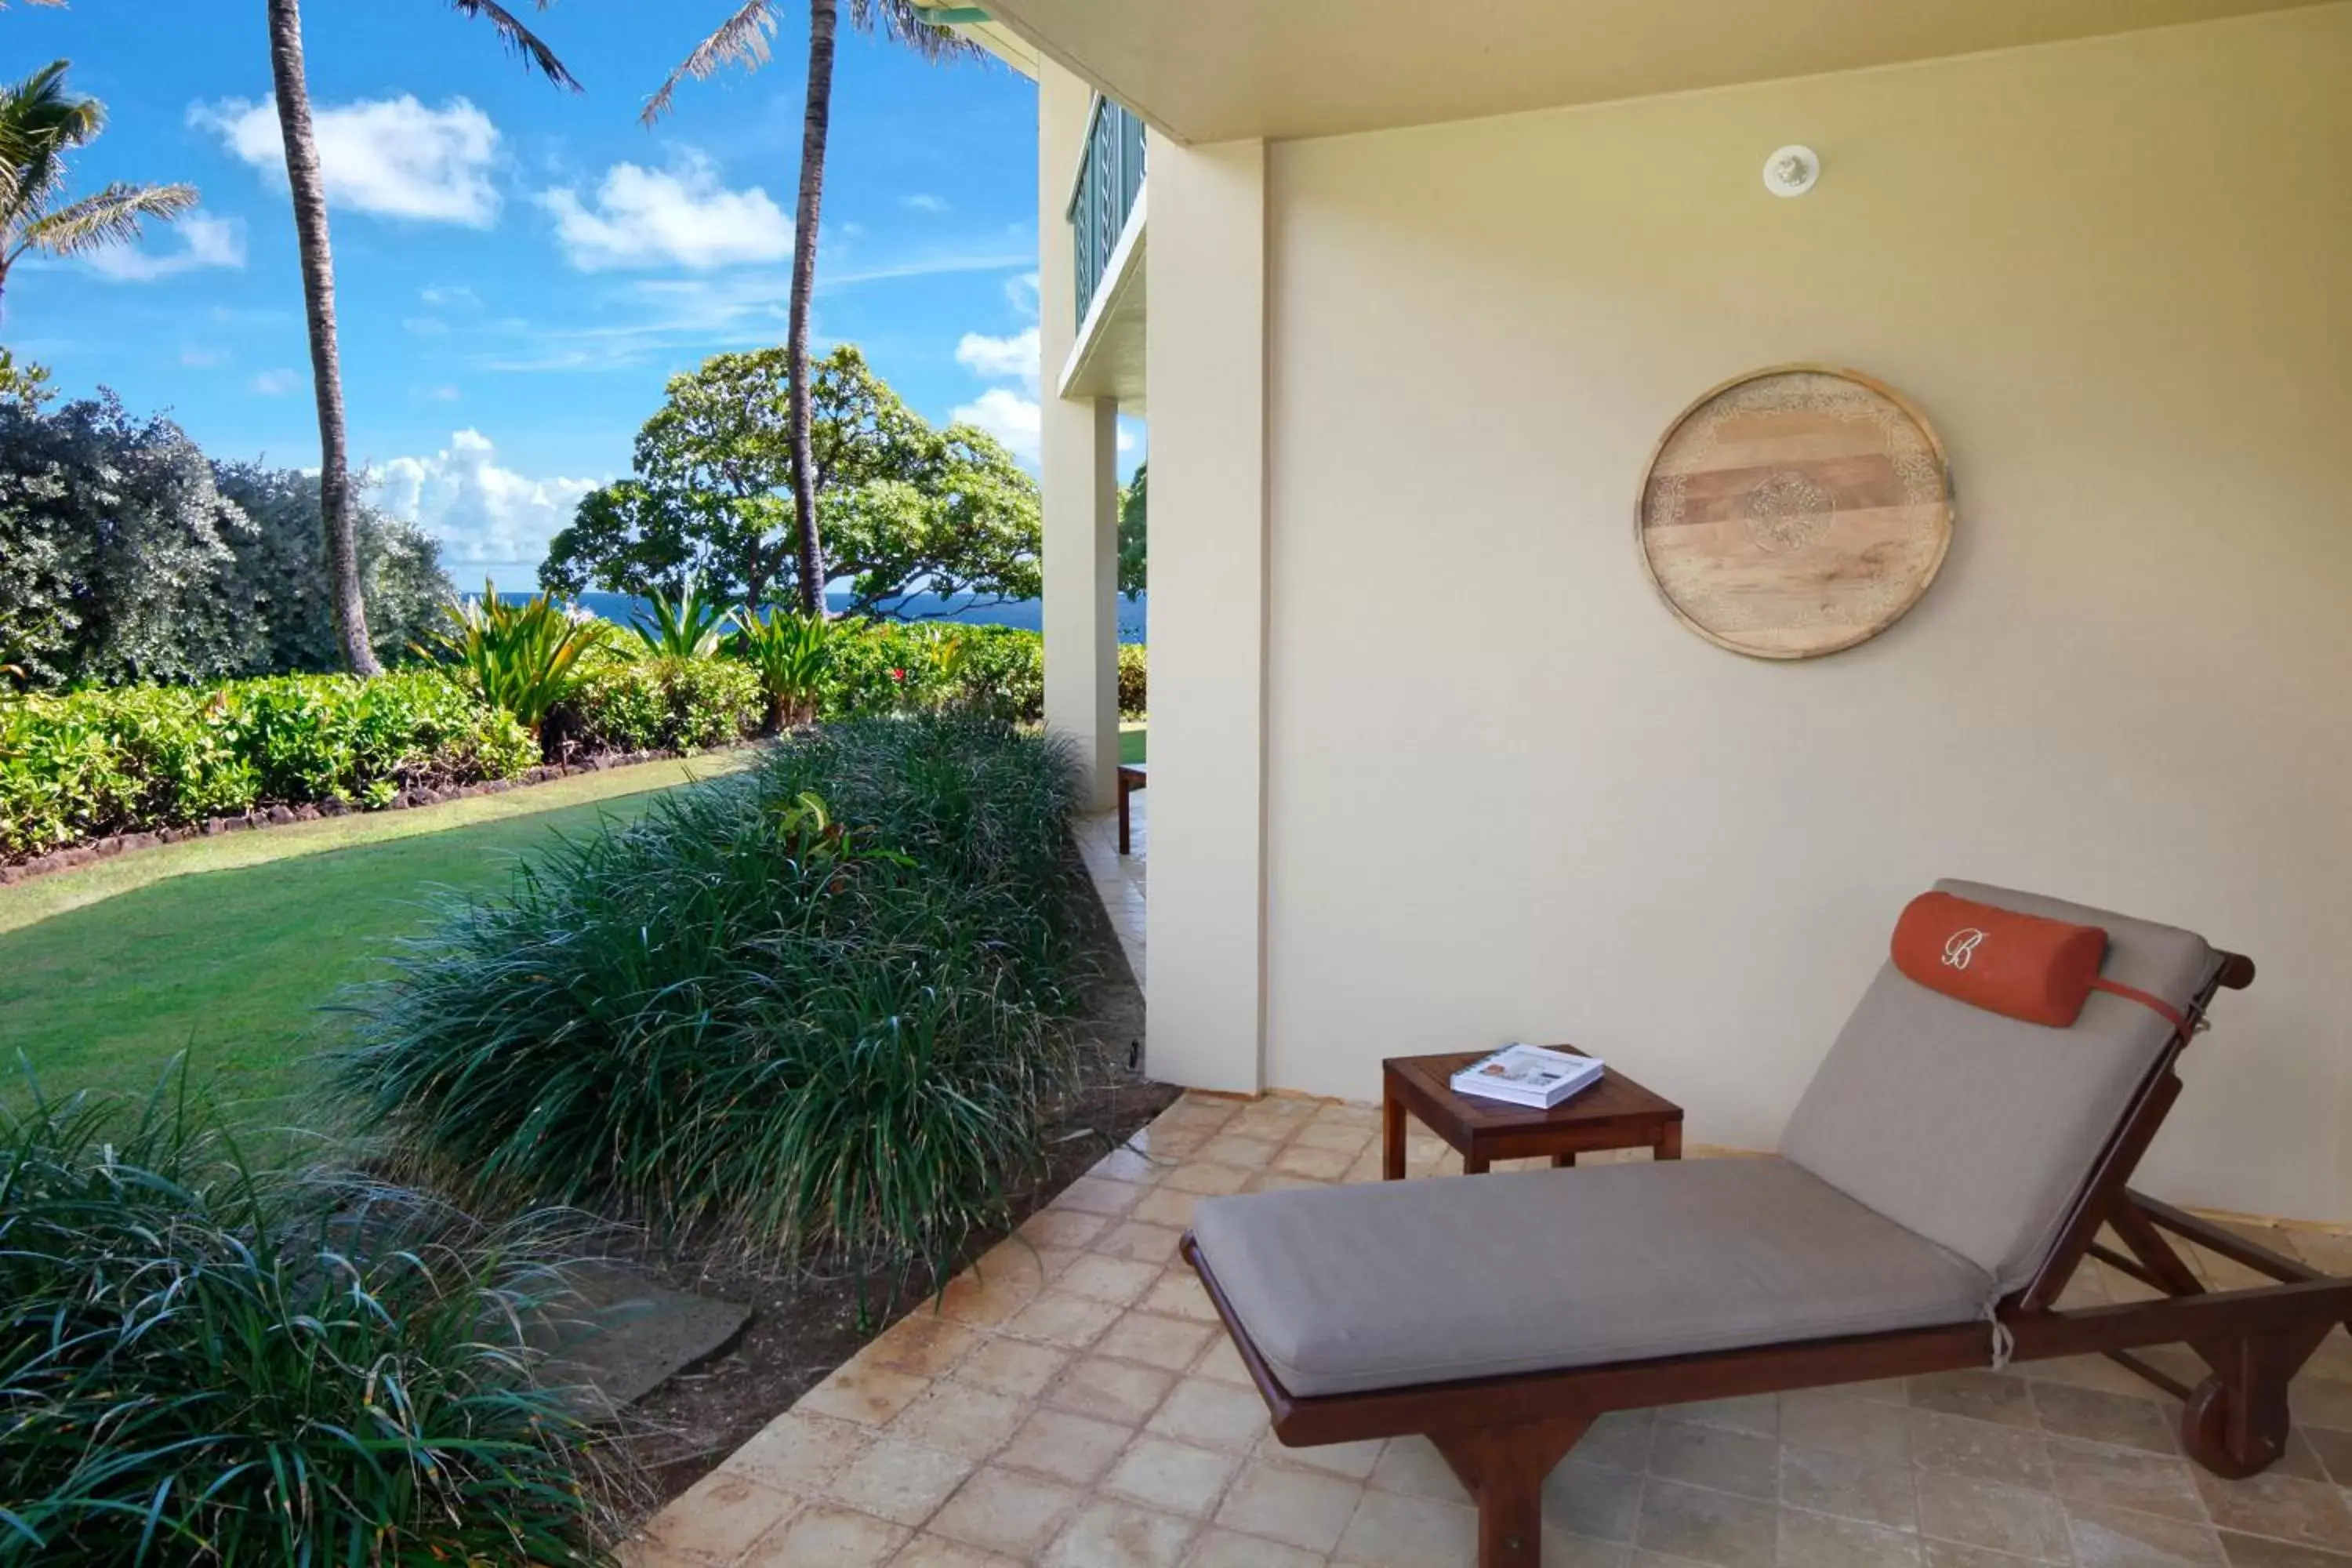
(742, 39)
(40, 122)
(309, 193)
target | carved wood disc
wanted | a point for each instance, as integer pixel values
(1795, 511)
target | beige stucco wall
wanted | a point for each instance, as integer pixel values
(1205, 385)
(1508, 796)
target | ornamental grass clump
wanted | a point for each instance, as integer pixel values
(814, 1007)
(202, 1360)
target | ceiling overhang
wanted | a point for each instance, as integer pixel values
(1215, 71)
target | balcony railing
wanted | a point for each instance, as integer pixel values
(1108, 179)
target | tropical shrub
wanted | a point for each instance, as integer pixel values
(889, 666)
(88, 763)
(522, 658)
(203, 1361)
(792, 653)
(1133, 664)
(689, 625)
(658, 702)
(813, 1006)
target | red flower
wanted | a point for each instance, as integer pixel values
(897, 674)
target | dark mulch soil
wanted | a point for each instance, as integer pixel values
(805, 1325)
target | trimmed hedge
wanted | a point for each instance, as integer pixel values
(659, 704)
(91, 763)
(885, 666)
(86, 765)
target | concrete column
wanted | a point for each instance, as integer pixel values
(1079, 463)
(1206, 388)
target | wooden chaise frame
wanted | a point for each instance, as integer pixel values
(1502, 1436)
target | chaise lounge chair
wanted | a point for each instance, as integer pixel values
(1947, 1169)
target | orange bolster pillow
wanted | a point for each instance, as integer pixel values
(2022, 966)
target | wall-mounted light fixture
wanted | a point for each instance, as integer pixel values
(1791, 171)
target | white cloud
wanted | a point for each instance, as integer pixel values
(482, 515)
(1012, 418)
(442, 393)
(1001, 359)
(203, 240)
(202, 358)
(924, 201)
(276, 383)
(450, 294)
(682, 216)
(390, 156)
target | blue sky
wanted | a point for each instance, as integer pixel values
(519, 267)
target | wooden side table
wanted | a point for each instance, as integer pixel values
(1615, 1113)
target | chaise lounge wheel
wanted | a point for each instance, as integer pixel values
(2205, 1434)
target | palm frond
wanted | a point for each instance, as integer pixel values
(742, 39)
(39, 122)
(903, 22)
(38, 110)
(110, 217)
(518, 39)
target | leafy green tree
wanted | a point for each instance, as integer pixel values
(114, 541)
(907, 508)
(308, 186)
(23, 383)
(1132, 532)
(40, 122)
(742, 39)
(281, 573)
(125, 555)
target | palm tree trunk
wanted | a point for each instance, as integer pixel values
(824, 17)
(319, 305)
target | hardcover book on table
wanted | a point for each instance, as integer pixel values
(1529, 1075)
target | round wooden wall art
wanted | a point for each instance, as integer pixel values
(1795, 511)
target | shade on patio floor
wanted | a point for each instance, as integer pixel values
(1074, 1402)
(1119, 878)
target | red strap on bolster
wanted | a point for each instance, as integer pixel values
(2158, 1004)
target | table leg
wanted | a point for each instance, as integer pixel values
(1474, 1163)
(1125, 840)
(1669, 1145)
(1562, 1161)
(1391, 1138)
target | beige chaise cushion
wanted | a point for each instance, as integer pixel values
(1978, 1131)
(1376, 1286)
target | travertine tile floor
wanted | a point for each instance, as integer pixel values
(1073, 1402)
(1119, 878)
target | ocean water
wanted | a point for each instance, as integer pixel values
(1026, 614)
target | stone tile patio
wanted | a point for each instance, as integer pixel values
(1073, 1402)
(1119, 878)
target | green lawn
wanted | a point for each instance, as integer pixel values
(1130, 742)
(227, 947)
